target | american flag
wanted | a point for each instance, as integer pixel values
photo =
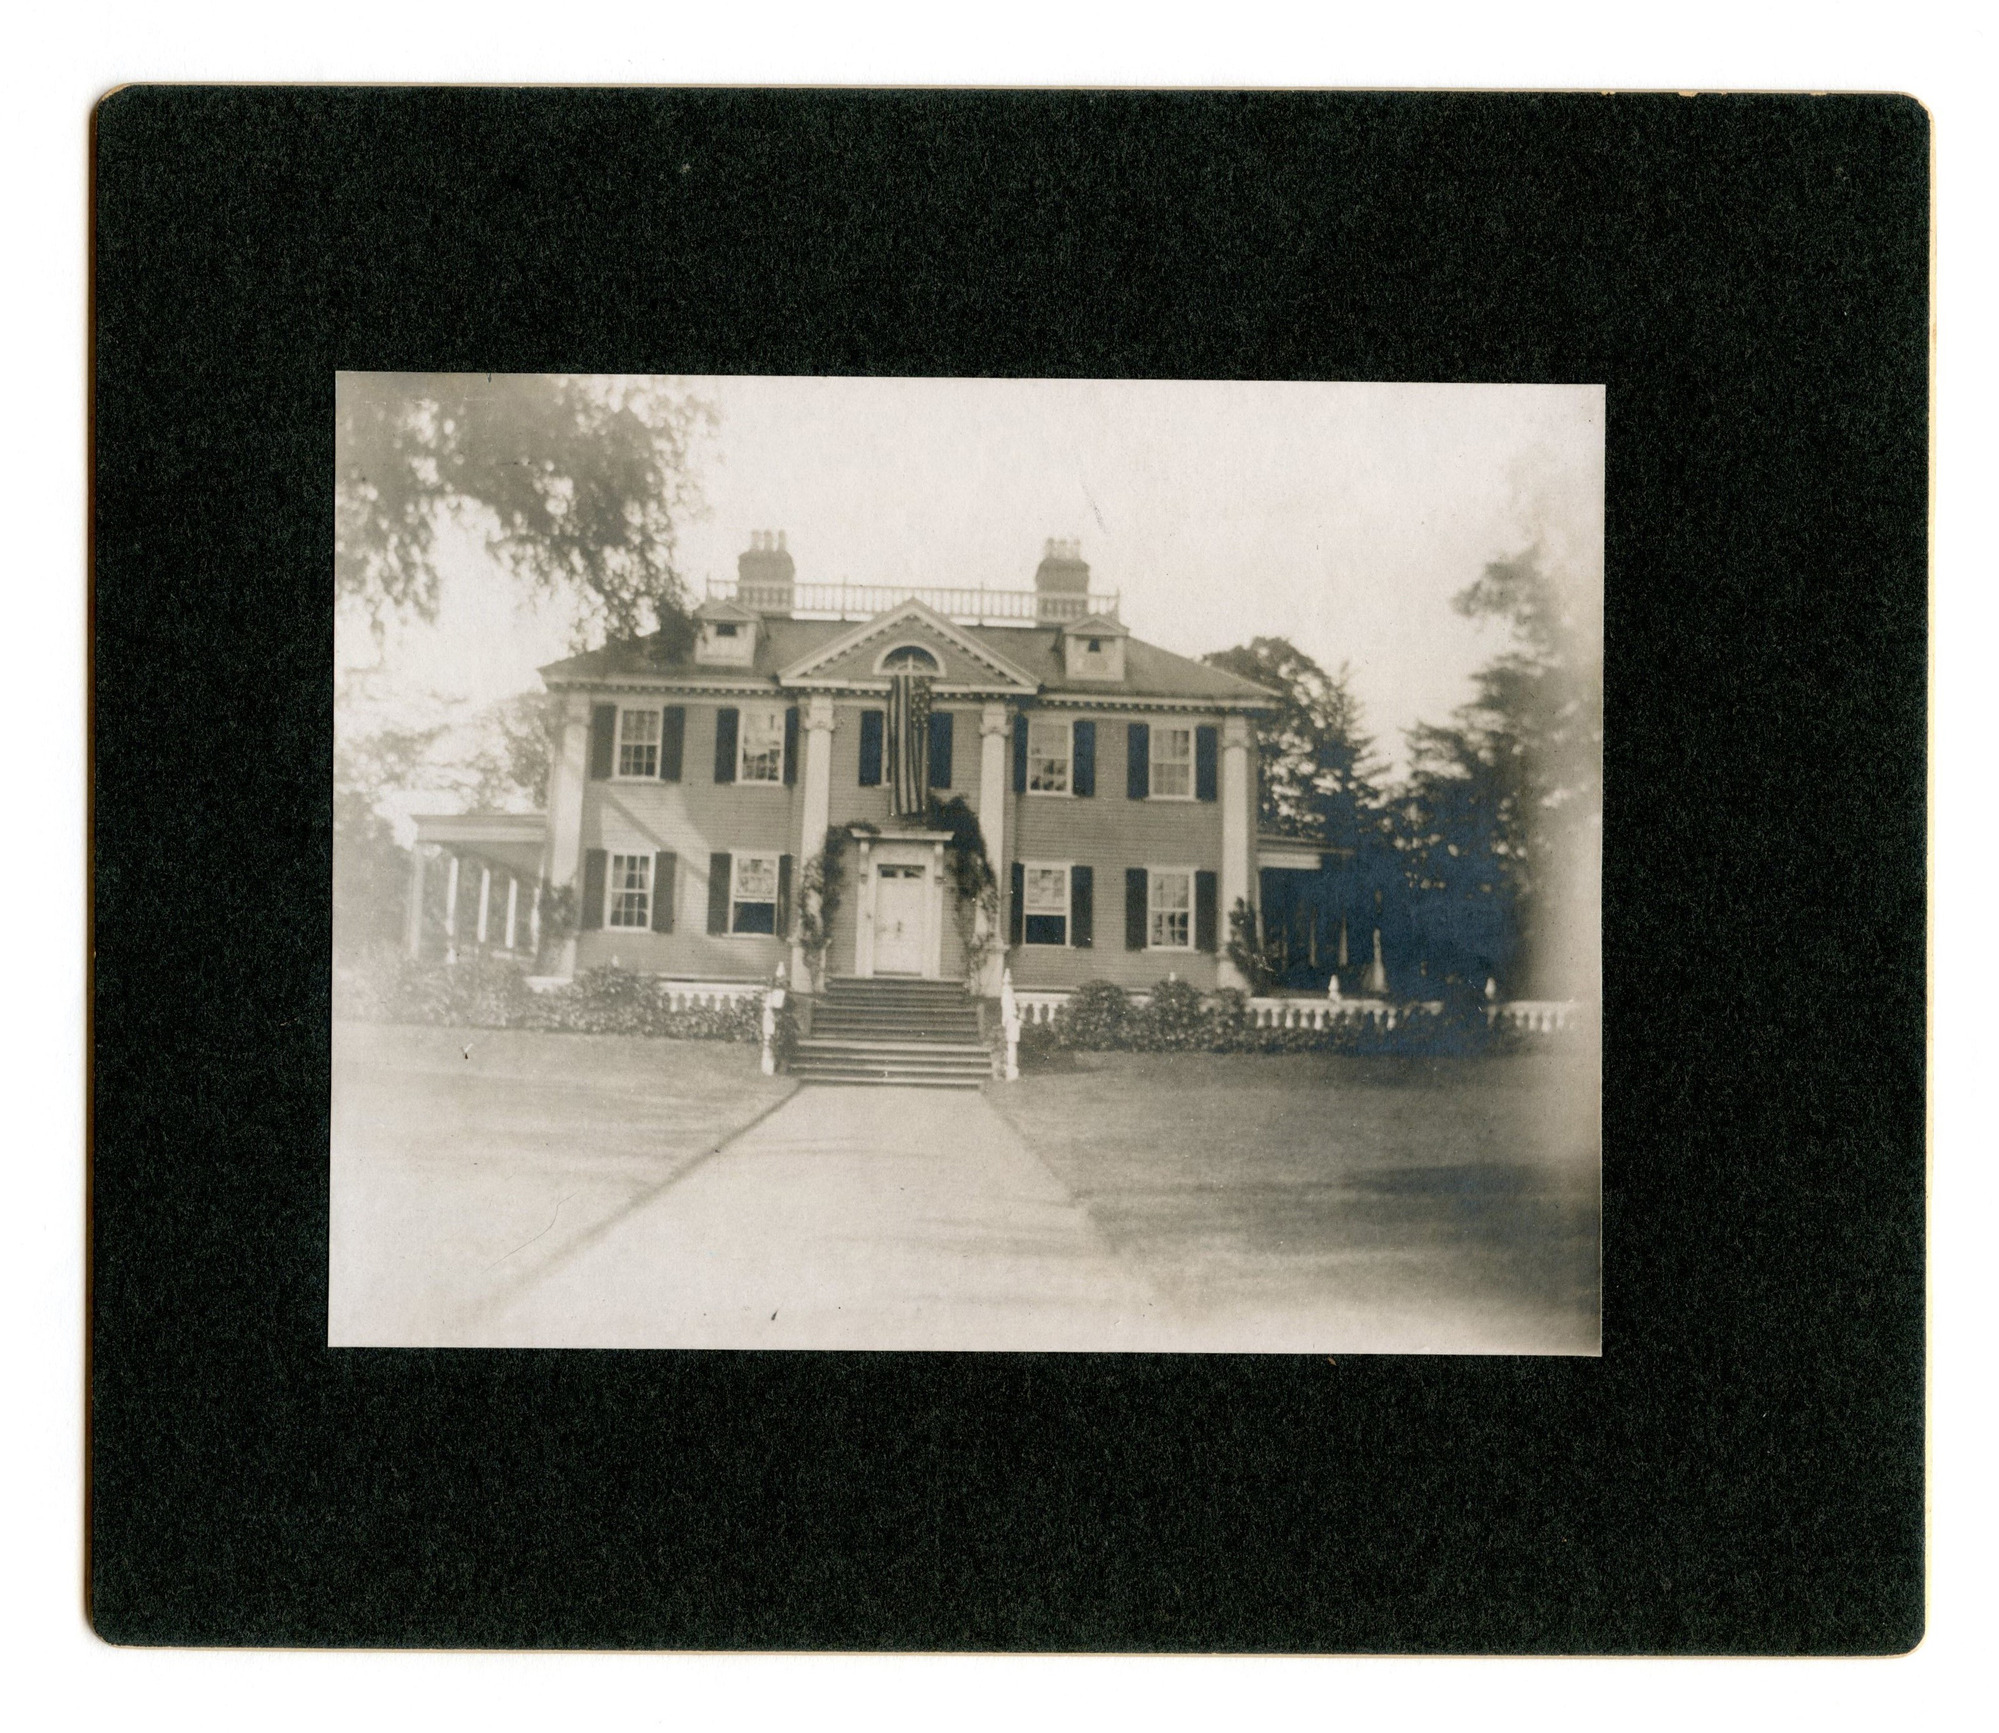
(909, 744)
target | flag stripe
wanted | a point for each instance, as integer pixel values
(908, 743)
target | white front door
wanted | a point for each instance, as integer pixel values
(902, 898)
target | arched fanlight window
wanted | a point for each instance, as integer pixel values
(909, 659)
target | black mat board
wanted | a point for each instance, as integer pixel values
(1741, 1472)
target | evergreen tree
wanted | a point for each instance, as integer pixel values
(1318, 782)
(1502, 812)
(1316, 770)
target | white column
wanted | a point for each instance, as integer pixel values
(485, 897)
(1238, 840)
(451, 913)
(567, 776)
(413, 915)
(933, 919)
(817, 802)
(818, 783)
(513, 901)
(994, 740)
(863, 891)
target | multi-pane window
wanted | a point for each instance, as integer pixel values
(760, 749)
(1169, 908)
(1172, 764)
(1047, 755)
(753, 896)
(1045, 905)
(630, 900)
(638, 742)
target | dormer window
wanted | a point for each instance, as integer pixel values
(1094, 650)
(728, 636)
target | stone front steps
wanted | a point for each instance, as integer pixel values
(921, 1033)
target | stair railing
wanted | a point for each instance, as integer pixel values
(1010, 1027)
(773, 1003)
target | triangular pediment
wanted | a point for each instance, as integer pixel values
(856, 658)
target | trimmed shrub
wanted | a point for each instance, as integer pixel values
(1176, 1020)
(483, 993)
(1095, 1017)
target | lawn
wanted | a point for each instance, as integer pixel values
(467, 1160)
(1401, 1204)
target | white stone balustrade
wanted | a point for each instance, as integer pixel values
(680, 995)
(1532, 1016)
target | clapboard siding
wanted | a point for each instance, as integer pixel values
(1109, 833)
(697, 817)
(851, 803)
(694, 818)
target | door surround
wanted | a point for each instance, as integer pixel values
(923, 849)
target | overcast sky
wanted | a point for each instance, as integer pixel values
(1341, 516)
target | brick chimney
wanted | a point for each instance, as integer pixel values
(765, 574)
(1061, 583)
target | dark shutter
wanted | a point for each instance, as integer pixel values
(1019, 752)
(1083, 765)
(726, 719)
(663, 865)
(940, 748)
(783, 895)
(1082, 907)
(718, 893)
(790, 745)
(603, 741)
(1205, 742)
(672, 741)
(1204, 912)
(1016, 922)
(595, 863)
(1135, 883)
(871, 748)
(1137, 760)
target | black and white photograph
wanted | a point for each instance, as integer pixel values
(966, 864)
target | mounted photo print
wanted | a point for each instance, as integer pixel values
(1072, 870)
(902, 863)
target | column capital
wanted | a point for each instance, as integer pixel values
(819, 712)
(1235, 731)
(993, 719)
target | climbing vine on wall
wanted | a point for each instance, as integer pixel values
(821, 883)
(973, 882)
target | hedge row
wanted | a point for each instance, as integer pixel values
(482, 993)
(1179, 1018)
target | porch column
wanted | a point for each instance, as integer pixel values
(1238, 839)
(513, 900)
(567, 774)
(413, 915)
(864, 910)
(995, 739)
(451, 912)
(485, 897)
(817, 803)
